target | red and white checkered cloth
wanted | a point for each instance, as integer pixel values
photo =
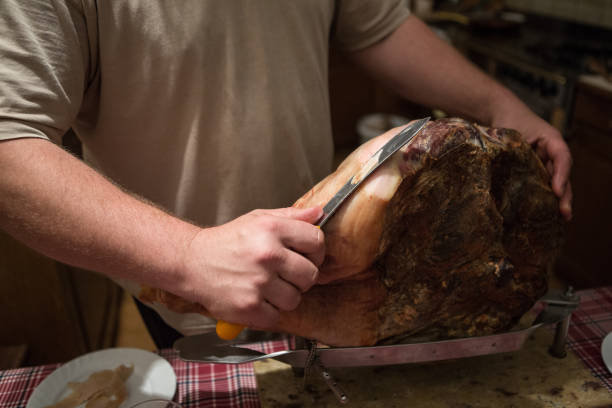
(218, 385)
(589, 325)
(228, 386)
(198, 384)
(17, 385)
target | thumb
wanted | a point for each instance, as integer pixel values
(310, 215)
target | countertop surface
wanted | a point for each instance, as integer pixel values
(528, 378)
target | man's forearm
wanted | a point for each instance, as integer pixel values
(244, 271)
(422, 68)
(60, 207)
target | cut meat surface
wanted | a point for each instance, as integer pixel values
(103, 389)
(451, 237)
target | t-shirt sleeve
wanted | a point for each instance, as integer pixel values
(44, 56)
(361, 23)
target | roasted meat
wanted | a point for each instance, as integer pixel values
(451, 237)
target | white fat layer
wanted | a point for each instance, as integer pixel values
(366, 168)
(383, 183)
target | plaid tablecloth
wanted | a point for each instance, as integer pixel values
(217, 385)
(198, 385)
(589, 325)
(228, 386)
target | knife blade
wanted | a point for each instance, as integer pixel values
(378, 158)
(229, 331)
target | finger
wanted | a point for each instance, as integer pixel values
(264, 316)
(282, 295)
(551, 168)
(302, 237)
(266, 322)
(309, 215)
(562, 163)
(299, 271)
(287, 225)
(565, 204)
(297, 235)
(542, 153)
(305, 239)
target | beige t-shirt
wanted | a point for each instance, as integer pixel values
(208, 108)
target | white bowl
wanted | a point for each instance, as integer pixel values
(606, 351)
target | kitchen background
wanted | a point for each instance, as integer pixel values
(556, 55)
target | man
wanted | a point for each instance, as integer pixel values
(209, 110)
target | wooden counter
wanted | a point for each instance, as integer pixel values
(527, 378)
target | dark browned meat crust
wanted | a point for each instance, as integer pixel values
(461, 248)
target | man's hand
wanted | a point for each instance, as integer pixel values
(550, 147)
(249, 269)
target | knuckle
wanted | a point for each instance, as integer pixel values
(268, 224)
(258, 213)
(260, 281)
(248, 303)
(267, 254)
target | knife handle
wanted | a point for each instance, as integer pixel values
(228, 331)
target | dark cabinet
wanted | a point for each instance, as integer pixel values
(56, 311)
(586, 257)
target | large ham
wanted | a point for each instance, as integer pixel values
(450, 237)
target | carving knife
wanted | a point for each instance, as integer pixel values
(229, 331)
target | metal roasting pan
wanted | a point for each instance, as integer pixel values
(556, 309)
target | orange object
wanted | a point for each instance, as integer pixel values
(228, 331)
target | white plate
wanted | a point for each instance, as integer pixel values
(606, 351)
(153, 376)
